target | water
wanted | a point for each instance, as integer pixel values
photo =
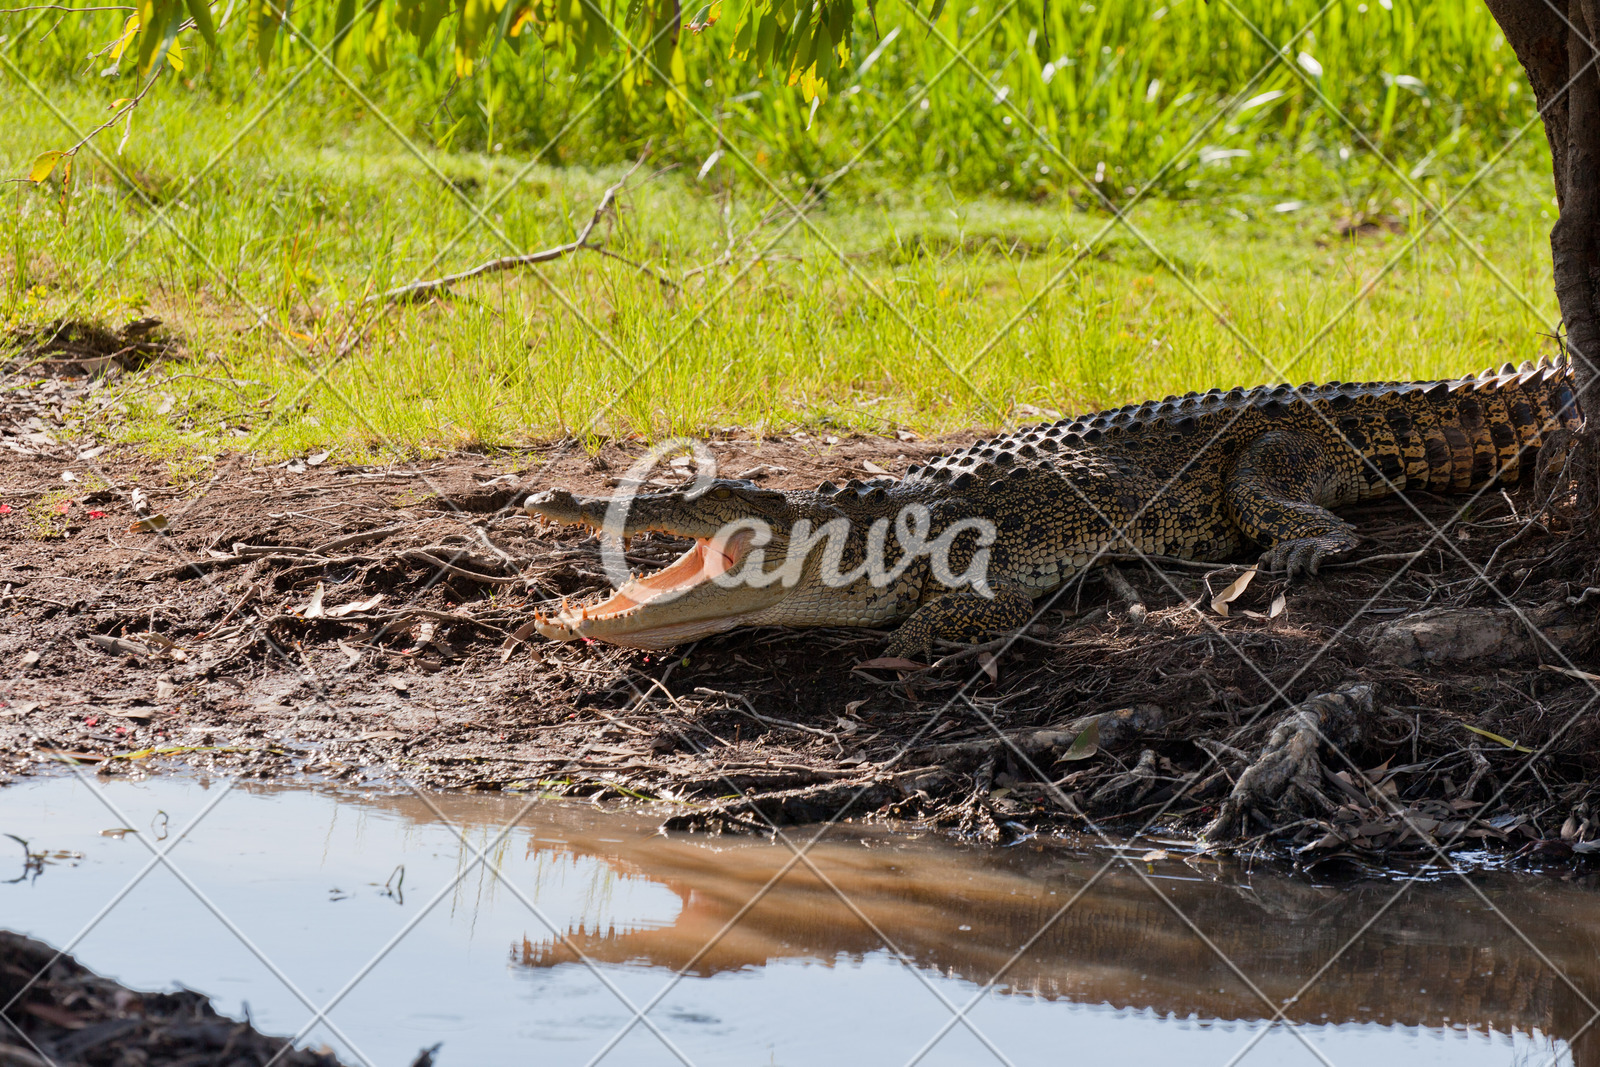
(595, 907)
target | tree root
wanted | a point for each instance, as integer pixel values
(1126, 790)
(811, 804)
(1125, 592)
(1471, 635)
(1283, 783)
(1113, 729)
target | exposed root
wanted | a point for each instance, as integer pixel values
(817, 803)
(1127, 790)
(1284, 782)
(1471, 635)
(1124, 591)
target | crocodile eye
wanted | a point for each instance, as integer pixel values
(723, 492)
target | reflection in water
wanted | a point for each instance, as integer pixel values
(309, 870)
(1436, 957)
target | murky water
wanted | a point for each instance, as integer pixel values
(736, 953)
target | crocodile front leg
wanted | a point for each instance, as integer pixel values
(962, 615)
(1275, 495)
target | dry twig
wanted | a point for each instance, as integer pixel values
(418, 290)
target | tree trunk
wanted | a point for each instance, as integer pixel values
(1552, 40)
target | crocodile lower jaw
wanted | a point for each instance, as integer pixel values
(665, 635)
(650, 612)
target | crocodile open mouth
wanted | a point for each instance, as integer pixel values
(659, 609)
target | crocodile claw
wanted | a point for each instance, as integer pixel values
(1302, 556)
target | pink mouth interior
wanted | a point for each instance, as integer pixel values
(696, 567)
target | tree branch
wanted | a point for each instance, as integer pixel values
(419, 290)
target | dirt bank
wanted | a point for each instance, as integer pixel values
(316, 620)
(66, 1016)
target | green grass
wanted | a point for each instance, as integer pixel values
(900, 308)
(1121, 85)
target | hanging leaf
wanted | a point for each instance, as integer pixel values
(678, 94)
(158, 28)
(43, 165)
(343, 22)
(376, 45)
(262, 19)
(200, 11)
(428, 21)
(130, 30)
(66, 188)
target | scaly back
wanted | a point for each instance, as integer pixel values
(1443, 436)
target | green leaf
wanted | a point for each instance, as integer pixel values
(343, 22)
(1506, 741)
(200, 11)
(262, 23)
(1084, 745)
(43, 165)
(767, 39)
(428, 22)
(152, 27)
(743, 37)
(377, 40)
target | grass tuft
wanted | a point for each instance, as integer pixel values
(959, 275)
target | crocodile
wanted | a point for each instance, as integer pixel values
(1200, 477)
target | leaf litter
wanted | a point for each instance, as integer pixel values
(370, 625)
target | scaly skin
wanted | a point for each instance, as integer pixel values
(1199, 477)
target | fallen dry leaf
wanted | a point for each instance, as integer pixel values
(1235, 590)
(891, 663)
(354, 606)
(66, 754)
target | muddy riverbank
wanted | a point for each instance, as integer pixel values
(313, 621)
(64, 1014)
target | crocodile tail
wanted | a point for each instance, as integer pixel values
(1499, 421)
